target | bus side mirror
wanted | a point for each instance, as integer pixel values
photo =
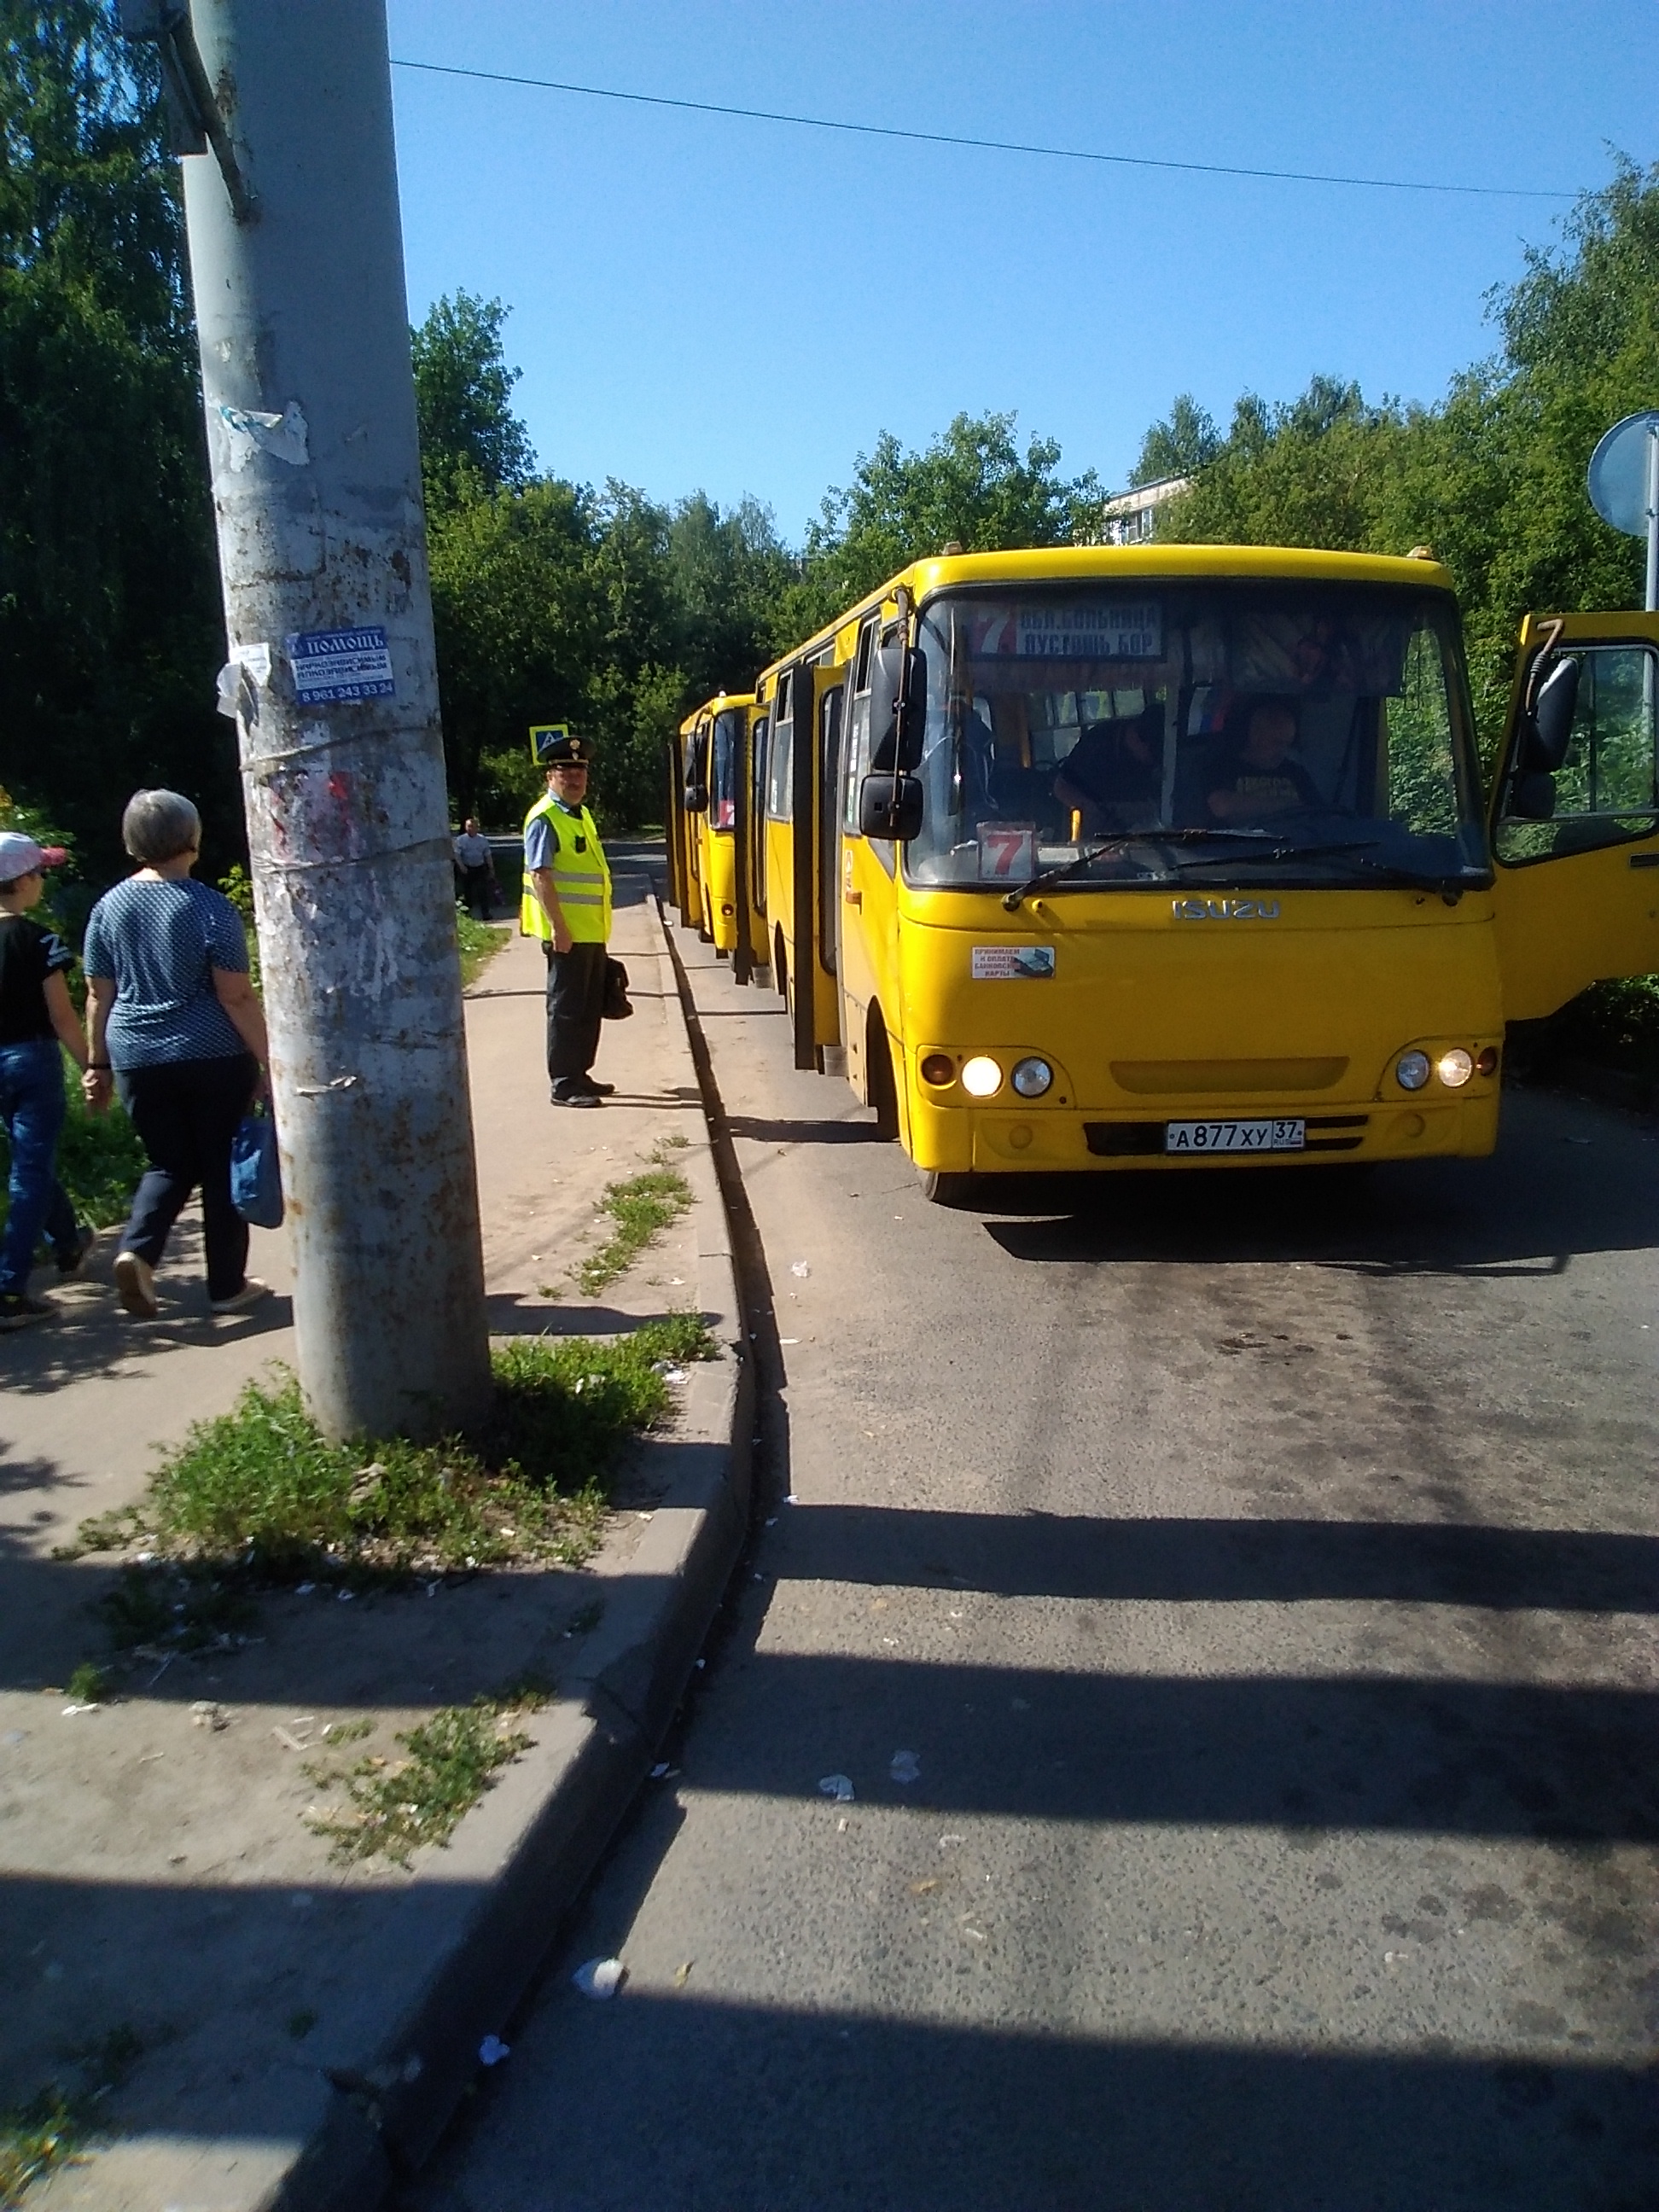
(890, 807)
(1548, 730)
(896, 724)
(697, 798)
(1532, 796)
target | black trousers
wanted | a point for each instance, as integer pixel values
(575, 1007)
(478, 885)
(186, 1112)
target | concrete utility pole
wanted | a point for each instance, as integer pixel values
(310, 402)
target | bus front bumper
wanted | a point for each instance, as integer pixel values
(1002, 1139)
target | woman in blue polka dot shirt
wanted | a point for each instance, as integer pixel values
(173, 1017)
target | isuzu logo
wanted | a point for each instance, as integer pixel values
(1226, 909)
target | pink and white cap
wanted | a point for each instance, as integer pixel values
(21, 856)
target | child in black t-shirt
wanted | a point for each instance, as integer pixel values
(36, 1018)
(1257, 780)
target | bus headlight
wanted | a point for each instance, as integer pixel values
(982, 1078)
(1031, 1077)
(1411, 1070)
(1454, 1068)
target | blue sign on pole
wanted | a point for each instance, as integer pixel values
(340, 663)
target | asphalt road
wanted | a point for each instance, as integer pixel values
(1262, 1570)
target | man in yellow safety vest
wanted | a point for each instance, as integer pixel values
(566, 904)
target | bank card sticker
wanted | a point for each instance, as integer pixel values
(1007, 851)
(1109, 629)
(1012, 964)
(340, 663)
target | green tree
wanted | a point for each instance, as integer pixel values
(971, 485)
(471, 440)
(110, 626)
(1492, 477)
(1181, 446)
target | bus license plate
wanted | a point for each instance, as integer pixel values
(1281, 1136)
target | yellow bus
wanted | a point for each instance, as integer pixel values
(720, 753)
(1159, 857)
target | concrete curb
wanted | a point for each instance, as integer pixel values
(524, 1852)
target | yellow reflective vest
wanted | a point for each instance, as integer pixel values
(580, 879)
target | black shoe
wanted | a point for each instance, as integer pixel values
(70, 1256)
(577, 1098)
(600, 1090)
(18, 1311)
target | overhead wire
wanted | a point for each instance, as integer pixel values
(983, 145)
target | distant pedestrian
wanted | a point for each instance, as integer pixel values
(171, 1015)
(36, 1027)
(475, 865)
(566, 904)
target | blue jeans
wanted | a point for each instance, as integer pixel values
(32, 1110)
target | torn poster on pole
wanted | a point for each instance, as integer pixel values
(341, 664)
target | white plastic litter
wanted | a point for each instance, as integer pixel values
(838, 1787)
(801, 1269)
(304, 1590)
(659, 1769)
(70, 1710)
(492, 2050)
(599, 1977)
(906, 1766)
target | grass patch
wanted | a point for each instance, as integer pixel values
(56, 2126)
(395, 1805)
(259, 1497)
(480, 941)
(642, 1208)
(89, 1685)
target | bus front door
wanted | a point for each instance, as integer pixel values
(1575, 826)
(817, 839)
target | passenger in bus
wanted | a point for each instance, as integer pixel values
(1113, 776)
(1256, 778)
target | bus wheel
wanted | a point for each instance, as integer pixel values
(940, 1188)
(781, 973)
(883, 1091)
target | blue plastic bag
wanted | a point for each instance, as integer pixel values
(256, 1175)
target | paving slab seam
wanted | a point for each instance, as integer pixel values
(532, 1843)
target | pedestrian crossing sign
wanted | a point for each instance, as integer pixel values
(544, 736)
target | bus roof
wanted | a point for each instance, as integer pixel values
(1126, 563)
(717, 705)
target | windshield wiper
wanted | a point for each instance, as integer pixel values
(1013, 900)
(1360, 849)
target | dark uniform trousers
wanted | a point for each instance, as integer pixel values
(575, 1007)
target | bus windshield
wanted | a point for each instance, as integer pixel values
(1294, 734)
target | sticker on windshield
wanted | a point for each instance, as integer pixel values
(1006, 849)
(1004, 964)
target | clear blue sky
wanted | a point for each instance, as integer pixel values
(743, 307)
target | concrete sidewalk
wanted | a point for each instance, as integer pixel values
(157, 1883)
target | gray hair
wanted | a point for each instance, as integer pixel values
(159, 825)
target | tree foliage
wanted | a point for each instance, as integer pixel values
(970, 486)
(110, 628)
(1188, 442)
(470, 439)
(1492, 478)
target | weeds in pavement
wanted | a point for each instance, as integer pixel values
(33, 2139)
(89, 1685)
(641, 1208)
(398, 1805)
(480, 941)
(259, 1497)
(57, 2125)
